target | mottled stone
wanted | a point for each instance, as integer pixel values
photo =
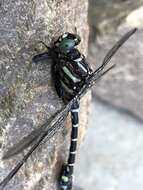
(27, 95)
(121, 87)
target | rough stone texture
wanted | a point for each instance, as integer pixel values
(105, 16)
(27, 95)
(123, 85)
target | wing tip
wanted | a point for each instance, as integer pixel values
(134, 30)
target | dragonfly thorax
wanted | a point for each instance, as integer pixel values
(70, 68)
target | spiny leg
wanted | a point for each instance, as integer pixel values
(42, 56)
(68, 169)
(45, 45)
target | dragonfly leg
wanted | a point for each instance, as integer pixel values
(42, 56)
(44, 44)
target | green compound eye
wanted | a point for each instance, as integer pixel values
(66, 45)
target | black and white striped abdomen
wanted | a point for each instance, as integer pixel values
(67, 172)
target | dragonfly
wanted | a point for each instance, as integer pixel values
(61, 51)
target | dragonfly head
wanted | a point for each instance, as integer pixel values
(67, 42)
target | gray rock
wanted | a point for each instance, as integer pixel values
(121, 87)
(27, 95)
(106, 16)
(111, 155)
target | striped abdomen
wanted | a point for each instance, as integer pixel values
(68, 169)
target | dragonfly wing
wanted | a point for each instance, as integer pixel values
(54, 125)
(114, 49)
(97, 74)
(22, 144)
(29, 139)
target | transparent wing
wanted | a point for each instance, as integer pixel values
(114, 49)
(22, 144)
(29, 139)
(54, 125)
(99, 72)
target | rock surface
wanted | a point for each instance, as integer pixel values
(106, 16)
(122, 87)
(27, 95)
(110, 156)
